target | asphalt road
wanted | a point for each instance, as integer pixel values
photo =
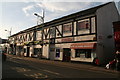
(16, 67)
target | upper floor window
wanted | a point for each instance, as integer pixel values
(67, 27)
(52, 32)
(84, 24)
(38, 35)
(93, 27)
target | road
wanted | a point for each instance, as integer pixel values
(22, 67)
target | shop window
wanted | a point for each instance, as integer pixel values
(83, 53)
(20, 48)
(88, 54)
(57, 52)
(77, 53)
(52, 32)
(38, 35)
(36, 51)
(67, 28)
(83, 25)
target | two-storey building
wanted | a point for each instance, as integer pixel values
(81, 36)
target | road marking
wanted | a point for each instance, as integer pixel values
(77, 68)
(17, 58)
(41, 69)
(36, 75)
(15, 62)
(51, 72)
(19, 69)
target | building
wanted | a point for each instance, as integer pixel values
(4, 45)
(81, 36)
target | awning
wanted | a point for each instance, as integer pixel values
(83, 46)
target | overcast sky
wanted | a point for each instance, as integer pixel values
(19, 15)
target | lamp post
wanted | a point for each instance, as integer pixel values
(9, 31)
(39, 20)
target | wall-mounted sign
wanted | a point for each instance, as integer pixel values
(83, 46)
(67, 40)
(84, 38)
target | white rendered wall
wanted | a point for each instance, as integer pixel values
(25, 54)
(31, 50)
(45, 51)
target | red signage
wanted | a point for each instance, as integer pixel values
(67, 40)
(83, 46)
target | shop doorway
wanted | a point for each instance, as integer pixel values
(66, 54)
(28, 51)
(38, 52)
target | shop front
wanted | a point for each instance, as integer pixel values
(83, 51)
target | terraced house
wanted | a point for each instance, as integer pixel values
(81, 36)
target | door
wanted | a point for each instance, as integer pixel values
(66, 54)
(28, 51)
(38, 52)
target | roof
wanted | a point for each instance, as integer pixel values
(74, 15)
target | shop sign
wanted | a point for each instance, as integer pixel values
(67, 40)
(83, 46)
(83, 38)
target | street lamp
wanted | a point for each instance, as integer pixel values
(9, 31)
(39, 20)
(7, 47)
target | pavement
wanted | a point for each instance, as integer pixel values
(73, 65)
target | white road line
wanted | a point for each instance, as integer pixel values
(17, 58)
(51, 72)
(43, 70)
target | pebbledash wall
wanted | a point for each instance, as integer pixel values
(81, 36)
